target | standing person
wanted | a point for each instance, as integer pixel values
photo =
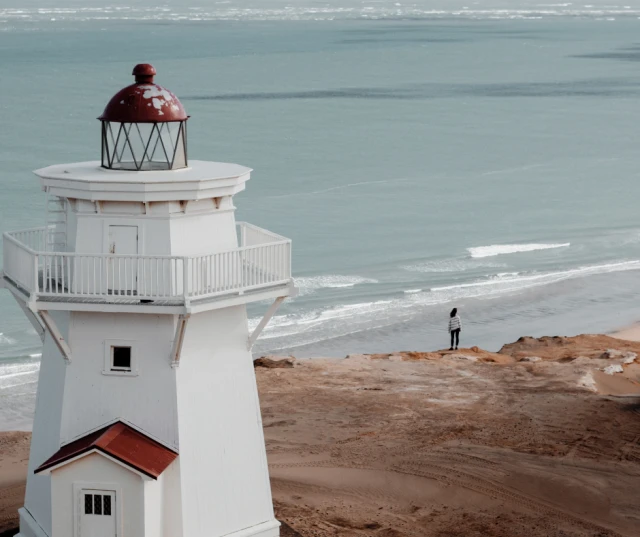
(455, 325)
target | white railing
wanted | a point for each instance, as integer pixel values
(262, 260)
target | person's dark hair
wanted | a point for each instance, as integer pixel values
(454, 311)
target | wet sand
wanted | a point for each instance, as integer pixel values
(630, 333)
(527, 442)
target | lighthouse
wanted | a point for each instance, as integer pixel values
(147, 420)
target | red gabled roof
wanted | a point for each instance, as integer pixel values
(122, 443)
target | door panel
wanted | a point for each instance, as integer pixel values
(122, 272)
(97, 513)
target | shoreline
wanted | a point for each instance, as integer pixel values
(629, 333)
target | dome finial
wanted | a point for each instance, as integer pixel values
(144, 73)
(144, 126)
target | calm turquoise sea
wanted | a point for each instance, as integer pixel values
(420, 156)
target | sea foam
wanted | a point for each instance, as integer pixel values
(501, 249)
(524, 281)
(451, 265)
(330, 10)
(311, 284)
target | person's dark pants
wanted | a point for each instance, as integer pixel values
(456, 334)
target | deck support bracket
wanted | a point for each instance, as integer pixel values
(267, 317)
(35, 321)
(178, 340)
(56, 335)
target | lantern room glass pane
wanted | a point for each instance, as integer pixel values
(144, 146)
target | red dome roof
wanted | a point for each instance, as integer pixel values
(144, 101)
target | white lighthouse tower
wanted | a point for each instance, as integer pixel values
(147, 419)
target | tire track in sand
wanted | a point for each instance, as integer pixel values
(481, 485)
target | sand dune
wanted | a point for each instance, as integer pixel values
(525, 442)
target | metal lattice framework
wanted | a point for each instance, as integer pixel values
(144, 146)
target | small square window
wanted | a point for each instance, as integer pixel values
(88, 504)
(121, 358)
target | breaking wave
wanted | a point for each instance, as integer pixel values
(517, 282)
(311, 284)
(501, 249)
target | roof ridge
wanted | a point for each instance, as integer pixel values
(136, 450)
(110, 433)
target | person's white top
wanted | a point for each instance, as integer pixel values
(455, 323)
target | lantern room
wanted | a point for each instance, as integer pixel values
(144, 127)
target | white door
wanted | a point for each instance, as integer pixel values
(97, 513)
(122, 272)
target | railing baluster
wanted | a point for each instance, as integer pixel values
(69, 282)
(203, 278)
(185, 277)
(56, 269)
(166, 277)
(35, 279)
(228, 264)
(196, 276)
(173, 283)
(219, 272)
(265, 264)
(157, 276)
(108, 276)
(258, 265)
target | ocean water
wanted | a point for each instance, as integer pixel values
(421, 156)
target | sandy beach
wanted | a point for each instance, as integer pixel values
(630, 333)
(539, 440)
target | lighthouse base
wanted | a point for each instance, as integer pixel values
(30, 528)
(28, 525)
(271, 528)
